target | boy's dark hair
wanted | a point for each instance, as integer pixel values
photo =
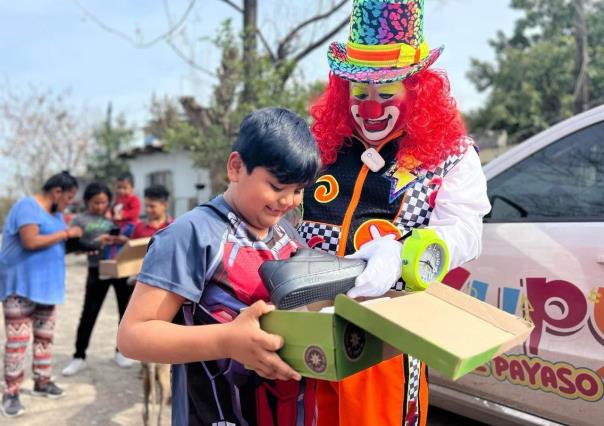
(62, 180)
(157, 192)
(280, 141)
(95, 188)
(126, 176)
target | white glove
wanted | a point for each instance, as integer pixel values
(383, 268)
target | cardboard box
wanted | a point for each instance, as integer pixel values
(316, 344)
(128, 260)
(452, 332)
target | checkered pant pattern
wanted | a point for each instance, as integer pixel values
(413, 389)
(329, 233)
(414, 371)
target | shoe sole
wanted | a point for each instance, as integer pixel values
(123, 366)
(47, 395)
(293, 296)
(75, 373)
(17, 414)
(331, 276)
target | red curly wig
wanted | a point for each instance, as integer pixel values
(432, 123)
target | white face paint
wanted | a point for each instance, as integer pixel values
(374, 130)
(376, 109)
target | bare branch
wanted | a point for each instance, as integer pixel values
(178, 51)
(283, 47)
(188, 60)
(127, 37)
(258, 32)
(42, 132)
(233, 5)
(308, 49)
(266, 45)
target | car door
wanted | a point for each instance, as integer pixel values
(543, 259)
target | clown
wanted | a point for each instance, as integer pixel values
(396, 157)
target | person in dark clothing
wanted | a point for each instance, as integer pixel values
(97, 229)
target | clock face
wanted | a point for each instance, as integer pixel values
(431, 262)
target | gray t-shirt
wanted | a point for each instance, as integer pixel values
(93, 226)
(209, 257)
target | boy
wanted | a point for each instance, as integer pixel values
(203, 269)
(127, 207)
(156, 208)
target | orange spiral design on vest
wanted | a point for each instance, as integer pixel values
(327, 189)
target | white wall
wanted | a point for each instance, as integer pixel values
(184, 177)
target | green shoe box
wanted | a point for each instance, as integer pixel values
(450, 331)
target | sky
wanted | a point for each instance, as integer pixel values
(54, 45)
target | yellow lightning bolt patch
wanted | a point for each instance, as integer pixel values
(401, 179)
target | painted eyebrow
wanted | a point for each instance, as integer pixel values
(391, 89)
(359, 89)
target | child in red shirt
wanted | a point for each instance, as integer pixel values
(156, 207)
(127, 207)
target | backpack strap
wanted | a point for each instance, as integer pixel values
(216, 210)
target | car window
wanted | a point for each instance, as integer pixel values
(562, 182)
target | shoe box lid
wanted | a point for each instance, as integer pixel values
(450, 331)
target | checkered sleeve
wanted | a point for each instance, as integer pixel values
(320, 235)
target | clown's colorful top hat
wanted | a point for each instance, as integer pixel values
(386, 42)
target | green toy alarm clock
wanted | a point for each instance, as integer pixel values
(425, 259)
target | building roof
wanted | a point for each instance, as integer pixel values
(149, 148)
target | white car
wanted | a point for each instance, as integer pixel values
(543, 259)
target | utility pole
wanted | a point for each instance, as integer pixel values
(581, 93)
(250, 31)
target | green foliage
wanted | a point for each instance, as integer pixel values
(532, 84)
(210, 131)
(595, 36)
(111, 137)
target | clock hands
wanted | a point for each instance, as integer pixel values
(428, 263)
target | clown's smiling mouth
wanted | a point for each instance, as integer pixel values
(374, 126)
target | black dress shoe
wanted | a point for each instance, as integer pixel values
(309, 276)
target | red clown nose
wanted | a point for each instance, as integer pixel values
(370, 109)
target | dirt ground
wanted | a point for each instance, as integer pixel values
(103, 394)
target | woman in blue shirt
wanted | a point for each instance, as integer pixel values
(32, 282)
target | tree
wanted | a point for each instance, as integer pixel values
(581, 92)
(248, 76)
(111, 137)
(300, 36)
(547, 70)
(165, 114)
(42, 134)
(290, 49)
(208, 132)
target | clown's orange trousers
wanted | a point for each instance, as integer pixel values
(380, 395)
